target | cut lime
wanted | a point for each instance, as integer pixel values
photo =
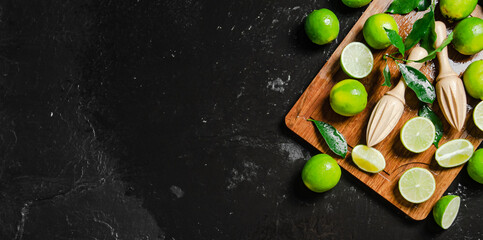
(356, 60)
(417, 134)
(454, 153)
(445, 210)
(478, 115)
(417, 185)
(368, 159)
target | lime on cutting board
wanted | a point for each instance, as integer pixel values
(417, 185)
(356, 60)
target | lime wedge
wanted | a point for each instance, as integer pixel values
(454, 153)
(478, 115)
(417, 134)
(417, 185)
(356, 60)
(445, 210)
(368, 159)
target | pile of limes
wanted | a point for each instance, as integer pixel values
(349, 97)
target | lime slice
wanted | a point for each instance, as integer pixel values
(454, 153)
(368, 159)
(445, 210)
(356, 60)
(417, 134)
(478, 115)
(417, 185)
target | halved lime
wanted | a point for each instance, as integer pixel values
(417, 185)
(356, 60)
(417, 134)
(454, 153)
(478, 115)
(368, 159)
(445, 210)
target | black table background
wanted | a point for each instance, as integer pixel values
(164, 120)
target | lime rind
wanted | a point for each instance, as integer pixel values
(418, 134)
(417, 185)
(478, 115)
(446, 210)
(357, 60)
(368, 159)
(454, 153)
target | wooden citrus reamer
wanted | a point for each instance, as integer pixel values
(449, 88)
(390, 107)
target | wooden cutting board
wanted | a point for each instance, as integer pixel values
(314, 103)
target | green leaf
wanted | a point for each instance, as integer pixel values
(387, 76)
(402, 6)
(423, 5)
(396, 40)
(420, 30)
(432, 54)
(418, 83)
(332, 137)
(426, 112)
(427, 41)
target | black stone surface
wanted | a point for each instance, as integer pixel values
(152, 119)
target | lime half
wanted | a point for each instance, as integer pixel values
(368, 159)
(454, 153)
(417, 134)
(356, 60)
(478, 115)
(417, 185)
(445, 210)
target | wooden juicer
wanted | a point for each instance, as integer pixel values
(449, 88)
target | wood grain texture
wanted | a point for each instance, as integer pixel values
(314, 103)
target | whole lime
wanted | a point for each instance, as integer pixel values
(468, 36)
(348, 97)
(457, 9)
(374, 32)
(475, 166)
(322, 26)
(473, 79)
(356, 3)
(321, 173)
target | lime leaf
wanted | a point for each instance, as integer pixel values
(432, 54)
(334, 139)
(423, 5)
(420, 30)
(402, 6)
(426, 112)
(418, 83)
(427, 41)
(396, 40)
(387, 76)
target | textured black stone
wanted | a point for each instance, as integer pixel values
(156, 119)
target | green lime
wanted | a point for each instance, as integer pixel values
(374, 32)
(475, 166)
(473, 79)
(321, 173)
(348, 97)
(356, 3)
(478, 115)
(445, 210)
(356, 60)
(417, 134)
(322, 26)
(468, 36)
(454, 153)
(368, 159)
(417, 185)
(457, 9)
